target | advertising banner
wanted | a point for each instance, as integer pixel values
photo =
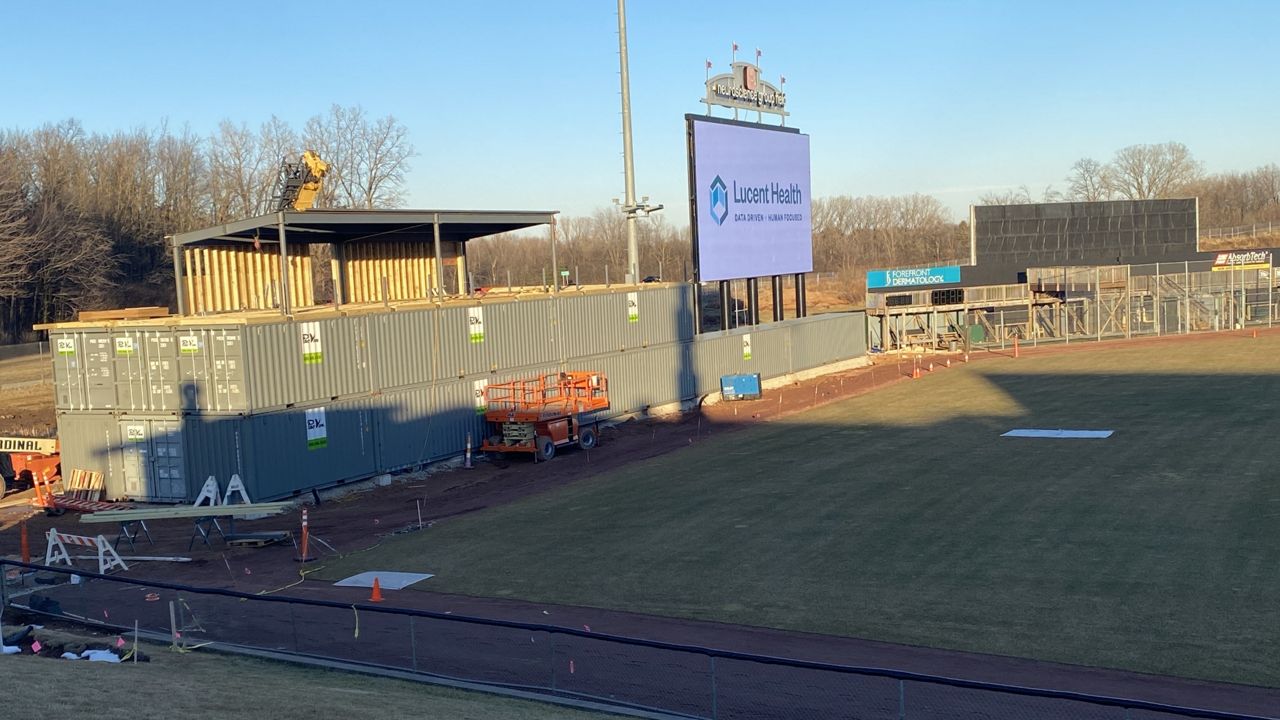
(752, 201)
(1242, 260)
(913, 276)
(317, 432)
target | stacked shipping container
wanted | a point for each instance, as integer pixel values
(291, 405)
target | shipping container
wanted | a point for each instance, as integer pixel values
(296, 405)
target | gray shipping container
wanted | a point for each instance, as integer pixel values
(282, 435)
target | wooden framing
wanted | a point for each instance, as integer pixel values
(406, 266)
(231, 279)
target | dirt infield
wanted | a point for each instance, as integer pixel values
(359, 520)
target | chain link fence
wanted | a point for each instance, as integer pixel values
(556, 662)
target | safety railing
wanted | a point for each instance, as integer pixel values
(555, 662)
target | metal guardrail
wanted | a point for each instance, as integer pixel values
(555, 662)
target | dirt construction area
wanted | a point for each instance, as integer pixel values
(411, 520)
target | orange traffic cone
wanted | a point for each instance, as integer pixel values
(1255, 334)
(376, 595)
(915, 373)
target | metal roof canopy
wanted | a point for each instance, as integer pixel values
(339, 226)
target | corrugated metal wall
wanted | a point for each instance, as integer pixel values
(397, 389)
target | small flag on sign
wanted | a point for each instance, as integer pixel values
(708, 64)
(735, 47)
(35, 646)
(757, 54)
(119, 641)
(783, 78)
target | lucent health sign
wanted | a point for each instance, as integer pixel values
(751, 190)
(912, 276)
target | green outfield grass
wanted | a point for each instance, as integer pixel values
(208, 686)
(902, 515)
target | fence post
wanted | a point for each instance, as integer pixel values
(1186, 292)
(552, 637)
(902, 700)
(4, 596)
(714, 703)
(413, 644)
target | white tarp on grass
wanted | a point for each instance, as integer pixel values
(1076, 434)
(387, 580)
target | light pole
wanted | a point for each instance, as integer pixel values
(630, 208)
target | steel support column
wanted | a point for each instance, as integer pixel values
(284, 265)
(437, 282)
(178, 283)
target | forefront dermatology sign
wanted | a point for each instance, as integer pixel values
(751, 185)
(913, 276)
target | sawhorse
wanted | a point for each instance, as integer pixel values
(129, 531)
(204, 527)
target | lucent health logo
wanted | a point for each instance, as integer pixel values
(719, 201)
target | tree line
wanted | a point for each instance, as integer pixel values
(83, 215)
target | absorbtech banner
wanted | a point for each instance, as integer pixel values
(753, 197)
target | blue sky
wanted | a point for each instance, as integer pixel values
(515, 104)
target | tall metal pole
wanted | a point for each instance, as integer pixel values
(555, 265)
(284, 265)
(178, 280)
(633, 252)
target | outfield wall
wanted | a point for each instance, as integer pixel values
(157, 409)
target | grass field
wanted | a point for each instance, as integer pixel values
(903, 516)
(203, 685)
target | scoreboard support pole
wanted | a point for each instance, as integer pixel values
(779, 312)
(726, 314)
(802, 308)
(753, 301)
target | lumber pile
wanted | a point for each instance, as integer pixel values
(186, 511)
(135, 313)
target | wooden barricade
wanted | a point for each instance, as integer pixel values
(56, 550)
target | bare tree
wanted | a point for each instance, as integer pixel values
(236, 167)
(1145, 172)
(277, 142)
(1089, 181)
(1021, 196)
(382, 158)
(367, 161)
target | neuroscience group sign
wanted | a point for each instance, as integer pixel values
(752, 196)
(913, 276)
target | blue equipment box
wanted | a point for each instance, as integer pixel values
(740, 387)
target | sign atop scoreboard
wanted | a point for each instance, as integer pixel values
(744, 89)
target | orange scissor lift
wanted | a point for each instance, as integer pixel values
(537, 415)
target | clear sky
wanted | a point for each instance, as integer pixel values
(515, 104)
